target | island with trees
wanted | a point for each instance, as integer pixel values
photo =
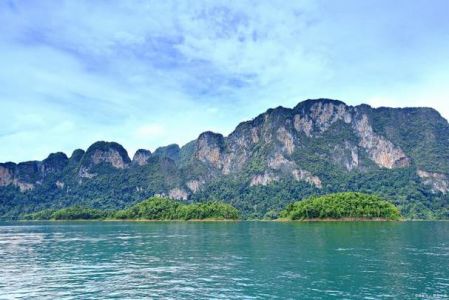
(341, 206)
(348, 206)
(155, 208)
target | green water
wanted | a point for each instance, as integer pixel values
(251, 260)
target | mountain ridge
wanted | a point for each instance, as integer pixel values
(319, 145)
(250, 121)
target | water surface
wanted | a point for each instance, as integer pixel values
(251, 260)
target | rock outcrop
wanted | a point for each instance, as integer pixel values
(27, 175)
(6, 174)
(178, 194)
(54, 163)
(346, 155)
(382, 151)
(110, 153)
(210, 148)
(315, 117)
(302, 175)
(141, 157)
(195, 185)
(437, 181)
(263, 179)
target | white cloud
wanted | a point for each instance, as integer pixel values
(149, 131)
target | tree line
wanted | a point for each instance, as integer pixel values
(155, 208)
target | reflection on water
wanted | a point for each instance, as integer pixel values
(224, 260)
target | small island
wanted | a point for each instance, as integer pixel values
(152, 209)
(347, 206)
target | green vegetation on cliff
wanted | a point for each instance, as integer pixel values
(342, 205)
(154, 208)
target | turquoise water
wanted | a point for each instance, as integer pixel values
(251, 260)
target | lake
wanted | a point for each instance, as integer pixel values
(222, 260)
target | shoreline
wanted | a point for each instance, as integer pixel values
(209, 220)
(149, 220)
(212, 220)
(338, 220)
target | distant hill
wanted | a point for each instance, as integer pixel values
(318, 147)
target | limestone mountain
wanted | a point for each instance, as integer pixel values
(141, 157)
(284, 154)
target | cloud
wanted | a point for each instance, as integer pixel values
(149, 130)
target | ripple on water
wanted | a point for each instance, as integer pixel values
(246, 260)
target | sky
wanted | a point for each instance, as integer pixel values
(151, 73)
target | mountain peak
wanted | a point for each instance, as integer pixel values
(77, 155)
(323, 101)
(55, 162)
(106, 152)
(170, 151)
(141, 157)
(210, 135)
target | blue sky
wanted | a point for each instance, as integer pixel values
(151, 73)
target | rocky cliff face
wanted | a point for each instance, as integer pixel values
(314, 145)
(275, 137)
(382, 151)
(54, 164)
(112, 154)
(437, 181)
(6, 174)
(27, 175)
(209, 149)
(141, 157)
